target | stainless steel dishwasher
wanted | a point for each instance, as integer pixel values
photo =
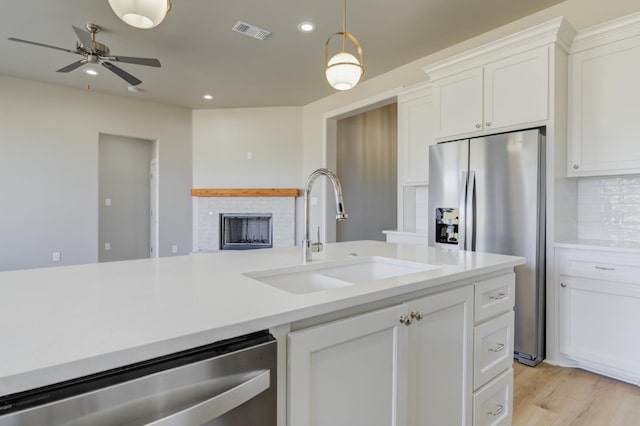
(228, 383)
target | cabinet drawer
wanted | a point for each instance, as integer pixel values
(493, 348)
(492, 404)
(606, 268)
(494, 296)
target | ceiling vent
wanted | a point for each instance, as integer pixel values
(251, 30)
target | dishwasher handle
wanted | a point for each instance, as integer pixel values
(220, 404)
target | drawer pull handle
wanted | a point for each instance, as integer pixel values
(498, 296)
(605, 268)
(499, 347)
(499, 410)
(416, 315)
(563, 285)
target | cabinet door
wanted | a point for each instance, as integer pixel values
(458, 104)
(415, 134)
(349, 372)
(516, 89)
(599, 323)
(604, 109)
(440, 354)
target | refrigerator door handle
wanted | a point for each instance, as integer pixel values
(462, 213)
(471, 212)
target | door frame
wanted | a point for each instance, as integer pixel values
(154, 218)
(154, 191)
(329, 147)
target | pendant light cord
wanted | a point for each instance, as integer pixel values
(344, 26)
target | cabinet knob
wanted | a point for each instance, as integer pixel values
(416, 315)
(563, 285)
(406, 320)
(488, 123)
(576, 166)
(478, 126)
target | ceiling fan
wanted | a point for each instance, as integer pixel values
(97, 53)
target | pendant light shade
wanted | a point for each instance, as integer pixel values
(344, 70)
(141, 13)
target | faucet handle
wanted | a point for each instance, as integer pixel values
(317, 247)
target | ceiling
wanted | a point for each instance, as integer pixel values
(201, 54)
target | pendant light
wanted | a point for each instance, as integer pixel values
(141, 13)
(343, 70)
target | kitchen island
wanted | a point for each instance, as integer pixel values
(66, 322)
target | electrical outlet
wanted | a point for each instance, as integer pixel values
(107, 202)
(174, 248)
(56, 256)
(249, 155)
(107, 246)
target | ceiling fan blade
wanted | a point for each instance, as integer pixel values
(121, 73)
(42, 45)
(73, 66)
(84, 37)
(151, 62)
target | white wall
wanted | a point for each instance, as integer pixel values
(222, 139)
(49, 170)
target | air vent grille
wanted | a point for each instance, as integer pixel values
(251, 30)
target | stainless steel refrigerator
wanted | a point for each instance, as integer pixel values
(487, 194)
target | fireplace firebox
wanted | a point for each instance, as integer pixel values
(245, 231)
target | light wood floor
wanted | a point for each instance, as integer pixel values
(548, 395)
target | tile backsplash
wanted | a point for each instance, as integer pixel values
(609, 208)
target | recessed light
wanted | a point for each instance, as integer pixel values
(306, 27)
(91, 71)
(207, 97)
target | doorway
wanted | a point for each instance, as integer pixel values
(366, 151)
(125, 198)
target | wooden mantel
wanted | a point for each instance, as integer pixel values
(245, 192)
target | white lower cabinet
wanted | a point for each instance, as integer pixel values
(493, 350)
(349, 372)
(408, 364)
(599, 311)
(440, 356)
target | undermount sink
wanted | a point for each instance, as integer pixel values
(312, 277)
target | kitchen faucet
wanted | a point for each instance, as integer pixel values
(307, 246)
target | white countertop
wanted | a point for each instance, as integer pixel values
(66, 322)
(614, 246)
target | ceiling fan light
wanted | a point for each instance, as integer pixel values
(343, 71)
(141, 13)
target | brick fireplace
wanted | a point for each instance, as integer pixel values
(210, 204)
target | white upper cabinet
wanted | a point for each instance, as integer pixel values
(502, 86)
(458, 101)
(415, 134)
(509, 92)
(604, 89)
(516, 89)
